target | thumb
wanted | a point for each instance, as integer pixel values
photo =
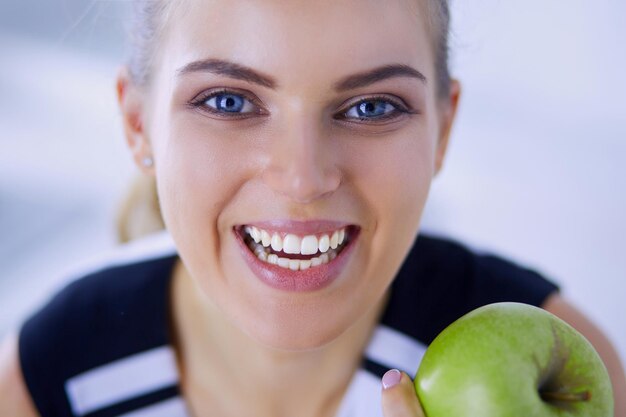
(399, 398)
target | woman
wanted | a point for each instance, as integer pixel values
(293, 146)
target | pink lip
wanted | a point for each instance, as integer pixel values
(310, 227)
(311, 279)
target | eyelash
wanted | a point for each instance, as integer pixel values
(199, 103)
(398, 110)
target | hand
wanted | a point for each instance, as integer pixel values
(399, 397)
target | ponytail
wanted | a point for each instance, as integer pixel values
(139, 213)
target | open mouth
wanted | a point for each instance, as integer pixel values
(296, 252)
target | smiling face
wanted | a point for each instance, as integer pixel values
(303, 120)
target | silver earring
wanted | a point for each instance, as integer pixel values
(147, 161)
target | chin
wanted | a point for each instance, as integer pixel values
(294, 334)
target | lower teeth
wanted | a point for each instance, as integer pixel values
(294, 264)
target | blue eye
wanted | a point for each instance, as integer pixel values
(228, 103)
(372, 109)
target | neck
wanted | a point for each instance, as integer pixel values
(238, 376)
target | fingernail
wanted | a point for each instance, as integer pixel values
(391, 378)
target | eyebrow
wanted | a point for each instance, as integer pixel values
(351, 82)
(228, 69)
(372, 76)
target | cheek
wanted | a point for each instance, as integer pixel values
(394, 174)
(393, 177)
(199, 172)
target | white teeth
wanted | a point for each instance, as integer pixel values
(324, 243)
(255, 234)
(265, 238)
(291, 244)
(308, 245)
(277, 242)
(294, 264)
(272, 258)
(333, 240)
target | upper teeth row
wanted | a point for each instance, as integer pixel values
(305, 245)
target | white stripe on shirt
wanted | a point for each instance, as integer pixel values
(121, 380)
(391, 348)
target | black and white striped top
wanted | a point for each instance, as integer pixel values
(102, 346)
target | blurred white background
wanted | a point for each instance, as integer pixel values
(536, 170)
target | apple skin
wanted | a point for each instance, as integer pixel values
(494, 361)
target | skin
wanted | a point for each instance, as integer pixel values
(235, 336)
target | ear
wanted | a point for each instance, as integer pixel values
(448, 107)
(130, 101)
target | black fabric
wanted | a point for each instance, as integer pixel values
(124, 310)
(100, 318)
(441, 280)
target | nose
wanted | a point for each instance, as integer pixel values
(301, 164)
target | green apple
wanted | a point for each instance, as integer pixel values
(512, 360)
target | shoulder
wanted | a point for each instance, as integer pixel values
(114, 309)
(112, 295)
(442, 279)
(14, 398)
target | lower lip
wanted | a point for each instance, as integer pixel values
(312, 279)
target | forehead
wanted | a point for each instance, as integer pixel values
(297, 40)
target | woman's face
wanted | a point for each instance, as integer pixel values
(255, 118)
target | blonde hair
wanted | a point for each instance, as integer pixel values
(140, 213)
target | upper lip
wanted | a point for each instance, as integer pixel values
(309, 227)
